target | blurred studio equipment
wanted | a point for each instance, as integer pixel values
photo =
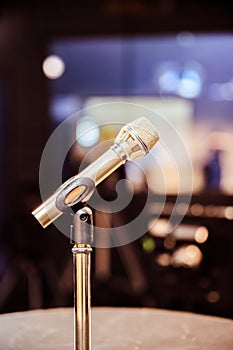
(212, 171)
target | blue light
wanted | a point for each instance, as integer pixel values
(87, 132)
(169, 80)
(190, 84)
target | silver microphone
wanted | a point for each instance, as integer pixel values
(134, 140)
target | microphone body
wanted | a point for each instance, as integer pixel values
(134, 140)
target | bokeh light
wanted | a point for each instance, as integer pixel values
(53, 67)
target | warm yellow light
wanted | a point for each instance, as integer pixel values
(213, 296)
(201, 234)
(53, 67)
(211, 210)
(163, 259)
(159, 228)
(192, 256)
(197, 209)
(191, 250)
(229, 213)
(181, 208)
(169, 242)
(188, 256)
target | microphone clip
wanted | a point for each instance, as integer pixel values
(75, 192)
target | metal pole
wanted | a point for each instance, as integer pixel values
(82, 231)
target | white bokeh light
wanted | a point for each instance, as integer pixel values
(182, 80)
(87, 132)
(53, 67)
(169, 80)
(190, 84)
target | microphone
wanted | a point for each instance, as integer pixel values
(134, 140)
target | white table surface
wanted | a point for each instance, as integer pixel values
(116, 329)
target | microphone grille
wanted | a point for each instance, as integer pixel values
(146, 131)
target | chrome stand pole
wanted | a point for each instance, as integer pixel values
(82, 235)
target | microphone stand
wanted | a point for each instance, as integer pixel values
(82, 235)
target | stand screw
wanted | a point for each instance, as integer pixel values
(84, 217)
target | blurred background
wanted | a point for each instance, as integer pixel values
(174, 57)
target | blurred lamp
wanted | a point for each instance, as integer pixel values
(53, 67)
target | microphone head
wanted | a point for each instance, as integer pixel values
(146, 131)
(137, 138)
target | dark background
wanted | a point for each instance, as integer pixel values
(35, 265)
